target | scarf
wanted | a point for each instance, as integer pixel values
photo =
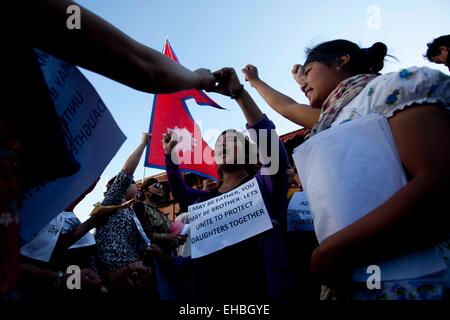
(339, 98)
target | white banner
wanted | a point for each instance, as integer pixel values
(349, 170)
(299, 217)
(42, 246)
(91, 133)
(70, 223)
(227, 219)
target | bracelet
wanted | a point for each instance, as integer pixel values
(237, 93)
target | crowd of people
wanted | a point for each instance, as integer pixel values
(137, 252)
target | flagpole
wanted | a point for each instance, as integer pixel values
(166, 39)
(143, 177)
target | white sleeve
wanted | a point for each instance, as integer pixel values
(397, 90)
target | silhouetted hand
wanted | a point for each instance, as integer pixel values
(206, 80)
(227, 81)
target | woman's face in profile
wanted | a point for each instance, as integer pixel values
(318, 81)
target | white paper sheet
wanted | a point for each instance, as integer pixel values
(227, 219)
(42, 246)
(349, 170)
(90, 132)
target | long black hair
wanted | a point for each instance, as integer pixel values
(434, 46)
(362, 60)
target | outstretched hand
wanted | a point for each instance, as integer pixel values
(206, 79)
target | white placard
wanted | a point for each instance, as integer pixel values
(299, 217)
(349, 170)
(70, 223)
(42, 246)
(227, 219)
(91, 133)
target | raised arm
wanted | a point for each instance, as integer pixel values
(117, 191)
(300, 114)
(178, 187)
(229, 85)
(65, 241)
(102, 48)
(133, 160)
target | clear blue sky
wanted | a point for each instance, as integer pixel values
(271, 34)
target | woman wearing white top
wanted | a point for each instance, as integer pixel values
(341, 80)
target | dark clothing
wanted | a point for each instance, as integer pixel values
(33, 151)
(255, 269)
(118, 240)
(44, 143)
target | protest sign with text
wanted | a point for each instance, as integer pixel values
(91, 134)
(299, 216)
(227, 219)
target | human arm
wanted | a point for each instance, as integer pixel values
(100, 47)
(72, 206)
(177, 185)
(133, 160)
(116, 192)
(173, 239)
(97, 218)
(229, 85)
(262, 127)
(66, 240)
(298, 113)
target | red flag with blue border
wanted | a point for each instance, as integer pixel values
(170, 112)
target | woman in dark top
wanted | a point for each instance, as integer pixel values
(155, 223)
(254, 269)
